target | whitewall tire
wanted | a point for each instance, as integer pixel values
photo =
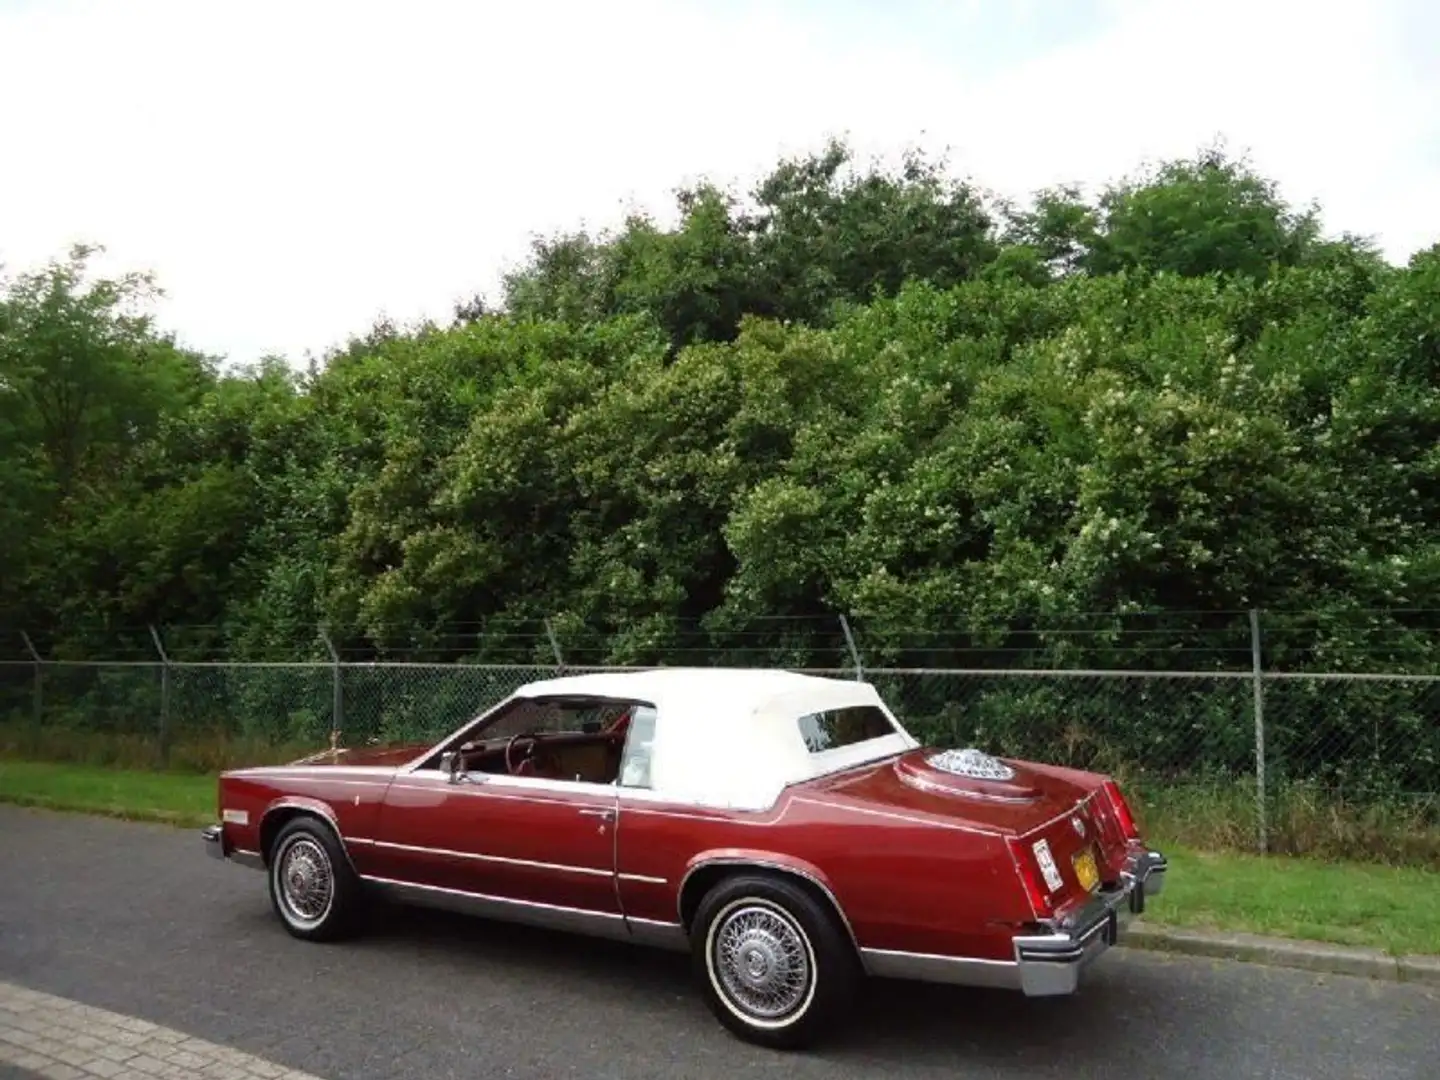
(774, 965)
(313, 888)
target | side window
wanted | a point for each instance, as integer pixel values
(639, 743)
(835, 728)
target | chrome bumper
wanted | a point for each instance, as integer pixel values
(215, 847)
(1050, 964)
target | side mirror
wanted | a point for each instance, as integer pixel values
(450, 765)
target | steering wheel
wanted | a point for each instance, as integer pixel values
(615, 733)
(510, 766)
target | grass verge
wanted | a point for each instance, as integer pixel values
(1361, 904)
(1344, 903)
(174, 798)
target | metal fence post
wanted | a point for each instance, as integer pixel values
(854, 652)
(337, 704)
(39, 717)
(1259, 684)
(554, 645)
(164, 698)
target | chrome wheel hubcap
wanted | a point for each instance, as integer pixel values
(762, 961)
(306, 884)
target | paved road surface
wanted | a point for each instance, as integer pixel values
(136, 919)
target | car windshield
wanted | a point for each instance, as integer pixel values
(529, 717)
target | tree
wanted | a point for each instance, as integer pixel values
(1208, 215)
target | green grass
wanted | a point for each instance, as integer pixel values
(1346, 903)
(1385, 907)
(175, 798)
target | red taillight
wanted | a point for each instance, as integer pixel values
(1123, 817)
(1030, 878)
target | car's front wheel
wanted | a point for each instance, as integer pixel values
(313, 888)
(773, 962)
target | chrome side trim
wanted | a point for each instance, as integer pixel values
(301, 802)
(309, 770)
(486, 789)
(764, 864)
(505, 909)
(503, 859)
(643, 879)
(611, 925)
(953, 970)
(717, 814)
(660, 935)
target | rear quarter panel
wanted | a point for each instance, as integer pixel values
(915, 884)
(904, 883)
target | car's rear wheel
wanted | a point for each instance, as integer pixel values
(773, 962)
(313, 888)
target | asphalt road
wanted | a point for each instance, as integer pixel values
(136, 919)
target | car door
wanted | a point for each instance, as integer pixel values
(510, 840)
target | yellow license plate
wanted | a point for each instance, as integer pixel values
(1086, 870)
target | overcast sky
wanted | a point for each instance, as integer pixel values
(291, 170)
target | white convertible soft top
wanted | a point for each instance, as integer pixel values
(731, 737)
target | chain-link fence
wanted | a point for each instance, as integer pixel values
(1280, 762)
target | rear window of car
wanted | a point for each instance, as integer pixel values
(835, 728)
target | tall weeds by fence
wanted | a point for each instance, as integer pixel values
(1225, 750)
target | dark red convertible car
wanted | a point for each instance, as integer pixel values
(784, 829)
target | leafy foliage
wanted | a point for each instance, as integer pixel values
(854, 390)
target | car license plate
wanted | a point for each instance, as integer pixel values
(1086, 870)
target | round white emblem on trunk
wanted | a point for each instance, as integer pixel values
(970, 762)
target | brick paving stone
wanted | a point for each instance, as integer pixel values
(60, 1039)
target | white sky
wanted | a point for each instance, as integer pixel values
(290, 170)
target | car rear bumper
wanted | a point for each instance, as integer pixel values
(217, 846)
(1050, 964)
(1045, 964)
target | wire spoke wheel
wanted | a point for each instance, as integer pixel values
(762, 960)
(307, 882)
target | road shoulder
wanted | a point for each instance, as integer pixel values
(1315, 956)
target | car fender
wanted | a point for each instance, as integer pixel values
(304, 804)
(764, 860)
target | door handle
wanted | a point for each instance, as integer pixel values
(606, 816)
